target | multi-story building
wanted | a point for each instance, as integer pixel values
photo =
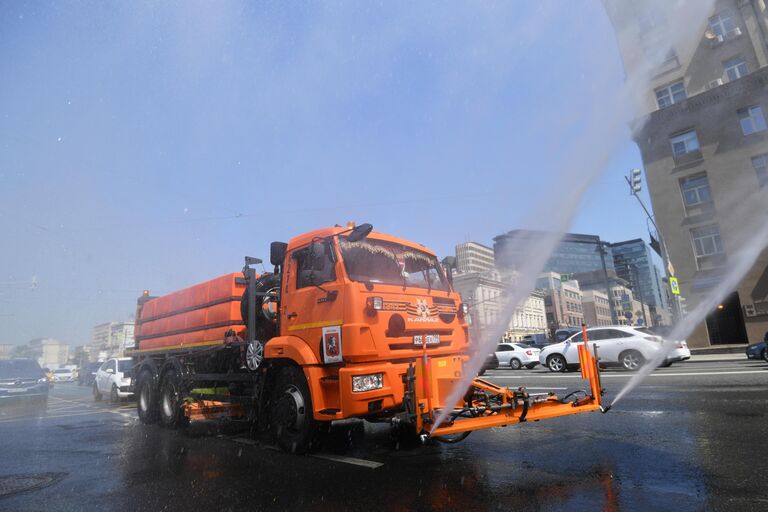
(634, 263)
(597, 308)
(483, 292)
(49, 352)
(474, 257)
(6, 350)
(530, 318)
(574, 253)
(111, 339)
(704, 144)
(562, 301)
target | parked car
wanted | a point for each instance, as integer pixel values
(113, 378)
(22, 379)
(537, 340)
(516, 355)
(63, 375)
(87, 374)
(757, 351)
(491, 361)
(622, 346)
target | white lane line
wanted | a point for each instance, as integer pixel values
(547, 387)
(629, 375)
(348, 460)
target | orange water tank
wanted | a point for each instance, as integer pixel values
(197, 315)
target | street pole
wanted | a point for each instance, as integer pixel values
(634, 181)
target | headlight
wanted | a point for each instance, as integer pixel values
(42, 380)
(375, 303)
(361, 383)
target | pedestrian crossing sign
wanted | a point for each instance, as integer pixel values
(674, 286)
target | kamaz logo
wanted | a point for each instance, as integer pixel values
(422, 312)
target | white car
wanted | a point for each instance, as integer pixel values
(517, 355)
(113, 378)
(63, 375)
(622, 346)
(677, 350)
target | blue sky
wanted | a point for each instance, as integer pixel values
(153, 146)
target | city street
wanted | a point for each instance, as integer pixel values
(691, 437)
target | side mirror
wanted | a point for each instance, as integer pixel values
(277, 252)
(359, 232)
(110, 370)
(449, 263)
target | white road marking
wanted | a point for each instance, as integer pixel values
(629, 375)
(348, 460)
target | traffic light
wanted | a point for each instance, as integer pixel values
(636, 181)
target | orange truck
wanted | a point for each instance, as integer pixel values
(350, 324)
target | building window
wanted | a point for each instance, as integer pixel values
(674, 93)
(706, 241)
(684, 143)
(723, 25)
(751, 119)
(695, 190)
(735, 68)
(760, 163)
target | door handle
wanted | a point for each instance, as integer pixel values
(291, 315)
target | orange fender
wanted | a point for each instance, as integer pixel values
(290, 347)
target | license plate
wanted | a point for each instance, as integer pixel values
(430, 339)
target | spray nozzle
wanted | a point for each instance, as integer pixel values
(606, 408)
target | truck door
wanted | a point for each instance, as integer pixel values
(312, 300)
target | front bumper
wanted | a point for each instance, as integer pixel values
(125, 391)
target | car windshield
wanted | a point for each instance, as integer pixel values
(377, 261)
(20, 369)
(125, 366)
(62, 370)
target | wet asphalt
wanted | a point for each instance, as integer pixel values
(691, 437)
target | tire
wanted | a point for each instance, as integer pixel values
(291, 422)
(171, 413)
(515, 363)
(531, 366)
(96, 393)
(764, 355)
(556, 363)
(631, 360)
(113, 396)
(146, 398)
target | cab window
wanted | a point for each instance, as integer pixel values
(314, 264)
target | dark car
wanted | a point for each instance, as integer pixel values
(87, 374)
(757, 351)
(22, 379)
(491, 362)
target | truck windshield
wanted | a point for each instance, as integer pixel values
(377, 261)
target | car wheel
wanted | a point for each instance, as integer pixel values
(531, 366)
(146, 398)
(171, 412)
(631, 360)
(291, 421)
(764, 354)
(515, 364)
(96, 393)
(556, 363)
(113, 396)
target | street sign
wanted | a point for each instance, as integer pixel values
(674, 286)
(670, 268)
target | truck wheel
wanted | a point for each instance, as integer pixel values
(291, 420)
(556, 363)
(146, 398)
(96, 393)
(515, 364)
(171, 413)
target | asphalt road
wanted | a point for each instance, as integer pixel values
(691, 437)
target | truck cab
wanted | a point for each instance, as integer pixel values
(355, 311)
